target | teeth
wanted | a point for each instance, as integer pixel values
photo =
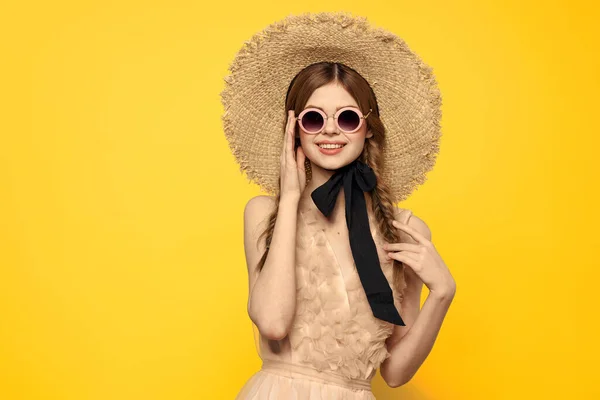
(330, 146)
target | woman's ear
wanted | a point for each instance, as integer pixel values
(369, 134)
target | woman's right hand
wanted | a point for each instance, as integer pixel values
(292, 174)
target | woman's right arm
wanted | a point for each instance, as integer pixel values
(272, 291)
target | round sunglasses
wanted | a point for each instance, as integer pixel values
(347, 119)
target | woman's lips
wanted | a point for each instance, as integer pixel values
(330, 152)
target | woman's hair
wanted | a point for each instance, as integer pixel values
(299, 91)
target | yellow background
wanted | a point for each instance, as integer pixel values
(122, 271)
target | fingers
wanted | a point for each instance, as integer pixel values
(289, 137)
(300, 158)
(285, 136)
(402, 246)
(284, 150)
(402, 251)
(403, 257)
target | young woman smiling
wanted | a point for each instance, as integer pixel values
(335, 269)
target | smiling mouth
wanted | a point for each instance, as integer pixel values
(331, 146)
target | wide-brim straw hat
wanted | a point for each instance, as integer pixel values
(407, 93)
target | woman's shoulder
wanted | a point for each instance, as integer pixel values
(261, 203)
(407, 216)
(258, 208)
(402, 214)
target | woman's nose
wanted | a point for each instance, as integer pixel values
(330, 126)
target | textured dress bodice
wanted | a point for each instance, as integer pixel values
(334, 329)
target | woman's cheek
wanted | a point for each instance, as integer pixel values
(356, 149)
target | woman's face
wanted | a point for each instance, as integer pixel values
(330, 98)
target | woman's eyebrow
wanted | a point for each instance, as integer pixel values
(349, 105)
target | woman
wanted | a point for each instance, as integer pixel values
(328, 289)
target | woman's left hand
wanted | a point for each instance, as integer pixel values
(423, 258)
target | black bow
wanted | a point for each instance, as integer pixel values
(357, 178)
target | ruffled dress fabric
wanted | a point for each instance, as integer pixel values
(335, 345)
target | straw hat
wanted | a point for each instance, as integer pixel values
(407, 94)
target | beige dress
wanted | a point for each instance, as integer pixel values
(336, 344)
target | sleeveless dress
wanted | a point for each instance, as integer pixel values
(335, 345)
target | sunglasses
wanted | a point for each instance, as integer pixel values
(347, 119)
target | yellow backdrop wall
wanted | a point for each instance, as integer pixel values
(122, 270)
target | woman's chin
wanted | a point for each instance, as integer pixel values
(331, 163)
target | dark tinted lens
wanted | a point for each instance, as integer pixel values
(348, 120)
(312, 121)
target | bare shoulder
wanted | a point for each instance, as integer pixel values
(256, 219)
(405, 215)
(259, 205)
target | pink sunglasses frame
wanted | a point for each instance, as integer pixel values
(335, 117)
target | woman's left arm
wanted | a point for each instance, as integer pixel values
(410, 345)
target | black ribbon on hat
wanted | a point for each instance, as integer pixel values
(357, 178)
